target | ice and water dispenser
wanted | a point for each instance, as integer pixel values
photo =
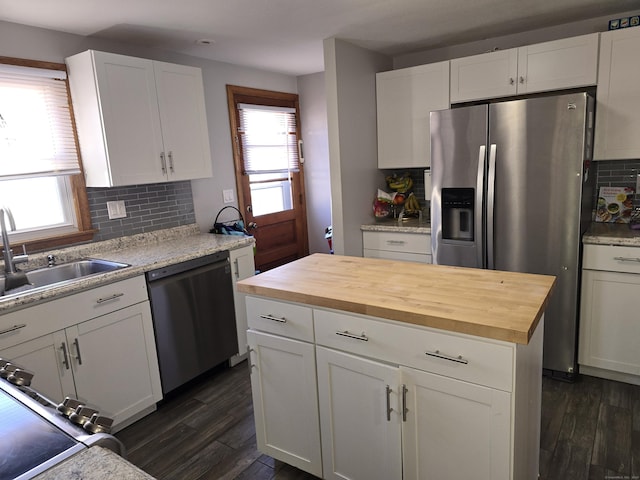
(458, 213)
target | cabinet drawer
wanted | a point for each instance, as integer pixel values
(42, 319)
(611, 258)
(482, 362)
(398, 242)
(391, 255)
(281, 318)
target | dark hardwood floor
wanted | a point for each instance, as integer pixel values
(590, 431)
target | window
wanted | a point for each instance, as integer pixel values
(270, 145)
(40, 168)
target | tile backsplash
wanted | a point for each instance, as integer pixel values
(617, 173)
(149, 207)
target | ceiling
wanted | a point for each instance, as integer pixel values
(286, 35)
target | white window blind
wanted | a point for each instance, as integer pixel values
(268, 138)
(36, 133)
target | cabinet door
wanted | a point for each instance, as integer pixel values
(361, 438)
(489, 75)
(618, 96)
(285, 400)
(184, 122)
(132, 131)
(48, 358)
(242, 266)
(454, 429)
(404, 99)
(115, 362)
(570, 62)
(609, 329)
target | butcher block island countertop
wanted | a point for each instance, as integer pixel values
(487, 303)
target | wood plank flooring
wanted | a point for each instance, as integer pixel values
(590, 431)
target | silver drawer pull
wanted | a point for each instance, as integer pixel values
(14, 328)
(627, 259)
(275, 319)
(111, 297)
(396, 242)
(346, 333)
(457, 359)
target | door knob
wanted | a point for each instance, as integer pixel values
(252, 225)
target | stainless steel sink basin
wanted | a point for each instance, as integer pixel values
(65, 272)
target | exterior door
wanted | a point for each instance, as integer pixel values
(265, 130)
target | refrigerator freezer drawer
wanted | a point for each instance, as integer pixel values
(611, 258)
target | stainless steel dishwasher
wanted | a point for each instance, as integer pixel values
(193, 317)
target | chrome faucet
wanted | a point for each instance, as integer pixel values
(9, 259)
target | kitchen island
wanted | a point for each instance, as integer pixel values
(369, 368)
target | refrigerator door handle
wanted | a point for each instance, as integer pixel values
(491, 189)
(478, 208)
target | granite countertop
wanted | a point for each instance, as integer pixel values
(95, 463)
(618, 234)
(142, 252)
(487, 303)
(406, 225)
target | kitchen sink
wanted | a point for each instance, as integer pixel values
(65, 272)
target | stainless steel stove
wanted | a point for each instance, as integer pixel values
(37, 434)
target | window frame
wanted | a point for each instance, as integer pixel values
(85, 231)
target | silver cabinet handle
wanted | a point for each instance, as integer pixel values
(457, 359)
(275, 319)
(78, 356)
(65, 357)
(110, 297)
(396, 242)
(511, 81)
(237, 268)
(163, 163)
(627, 259)
(347, 334)
(171, 161)
(404, 403)
(389, 409)
(13, 329)
(521, 79)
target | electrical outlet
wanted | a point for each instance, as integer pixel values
(227, 196)
(116, 209)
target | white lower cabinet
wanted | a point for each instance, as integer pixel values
(410, 247)
(454, 429)
(609, 329)
(360, 425)
(285, 400)
(97, 346)
(242, 266)
(394, 401)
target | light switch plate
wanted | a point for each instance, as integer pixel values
(227, 196)
(116, 209)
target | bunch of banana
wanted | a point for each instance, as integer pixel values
(400, 184)
(411, 204)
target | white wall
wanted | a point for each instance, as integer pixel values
(39, 44)
(313, 113)
(351, 115)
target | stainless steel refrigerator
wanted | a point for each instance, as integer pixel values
(512, 190)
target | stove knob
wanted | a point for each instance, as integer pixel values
(98, 424)
(68, 406)
(7, 369)
(20, 377)
(82, 415)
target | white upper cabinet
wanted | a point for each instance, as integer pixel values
(405, 98)
(566, 63)
(618, 96)
(139, 121)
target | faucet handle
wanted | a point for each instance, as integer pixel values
(21, 258)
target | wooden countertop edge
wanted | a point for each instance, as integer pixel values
(421, 319)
